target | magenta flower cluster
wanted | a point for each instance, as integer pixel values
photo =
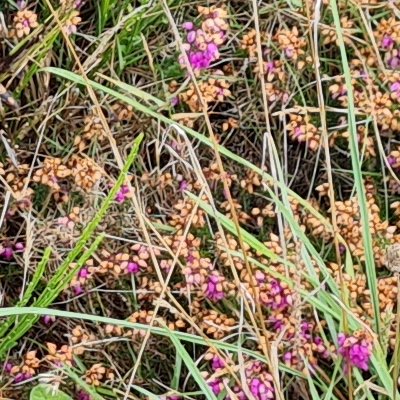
(82, 395)
(258, 379)
(123, 194)
(356, 350)
(305, 339)
(392, 161)
(395, 89)
(276, 296)
(83, 276)
(202, 43)
(388, 44)
(260, 383)
(20, 377)
(214, 289)
(8, 251)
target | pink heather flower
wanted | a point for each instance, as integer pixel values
(391, 161)
(191, 258)
(395, 88)
(188, 26)
(213, 289)
(355, 350)
(269, 67)
(306, 330)
(19, 247)
(261, 390)
(239, 394)
(278, 299)
(21, 377)
(175, 101)
(216, 386)
(21, 4)
(8, 367)
(394, 62)
(289, 52)
(83, 273)
(48, 319)
(217, 363)
(7, 253)
(133, 268)
(201, 47)
(212, 51)
(260, 276)
(387, 42)
(191, 37)
(83, 396)
(321, 348)
(287, 357)
(183, 185)
(277, 324)
(77, 289)
(200, 60)
(123, 194)
(298, 131)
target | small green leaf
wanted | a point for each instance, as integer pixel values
(47, 392)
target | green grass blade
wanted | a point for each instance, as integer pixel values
(192, 367)
(356, 166)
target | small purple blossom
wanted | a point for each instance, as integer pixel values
(82, 395)
(261, 390)
(277, 324)
(48, 319)
(84, 273)
(21, 4)
(200, 60)
(133, 268)
(191, 37)
(395, 88)
(213, 289)
(278, 299)
(7, 253)
(298, 131)
(202, 45)
(175, 101)
(188, 26)
(216, 386)
(77, 289)
(392, 161)
(183, 185)
(394, 62)
(217, 363)
(19, 247)
(355, 350)
(123, 194)
(21, 377)
(289, 52)
(321, 348)
(8, 367)
(387, 42)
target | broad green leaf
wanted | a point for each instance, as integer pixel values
(47, 392)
